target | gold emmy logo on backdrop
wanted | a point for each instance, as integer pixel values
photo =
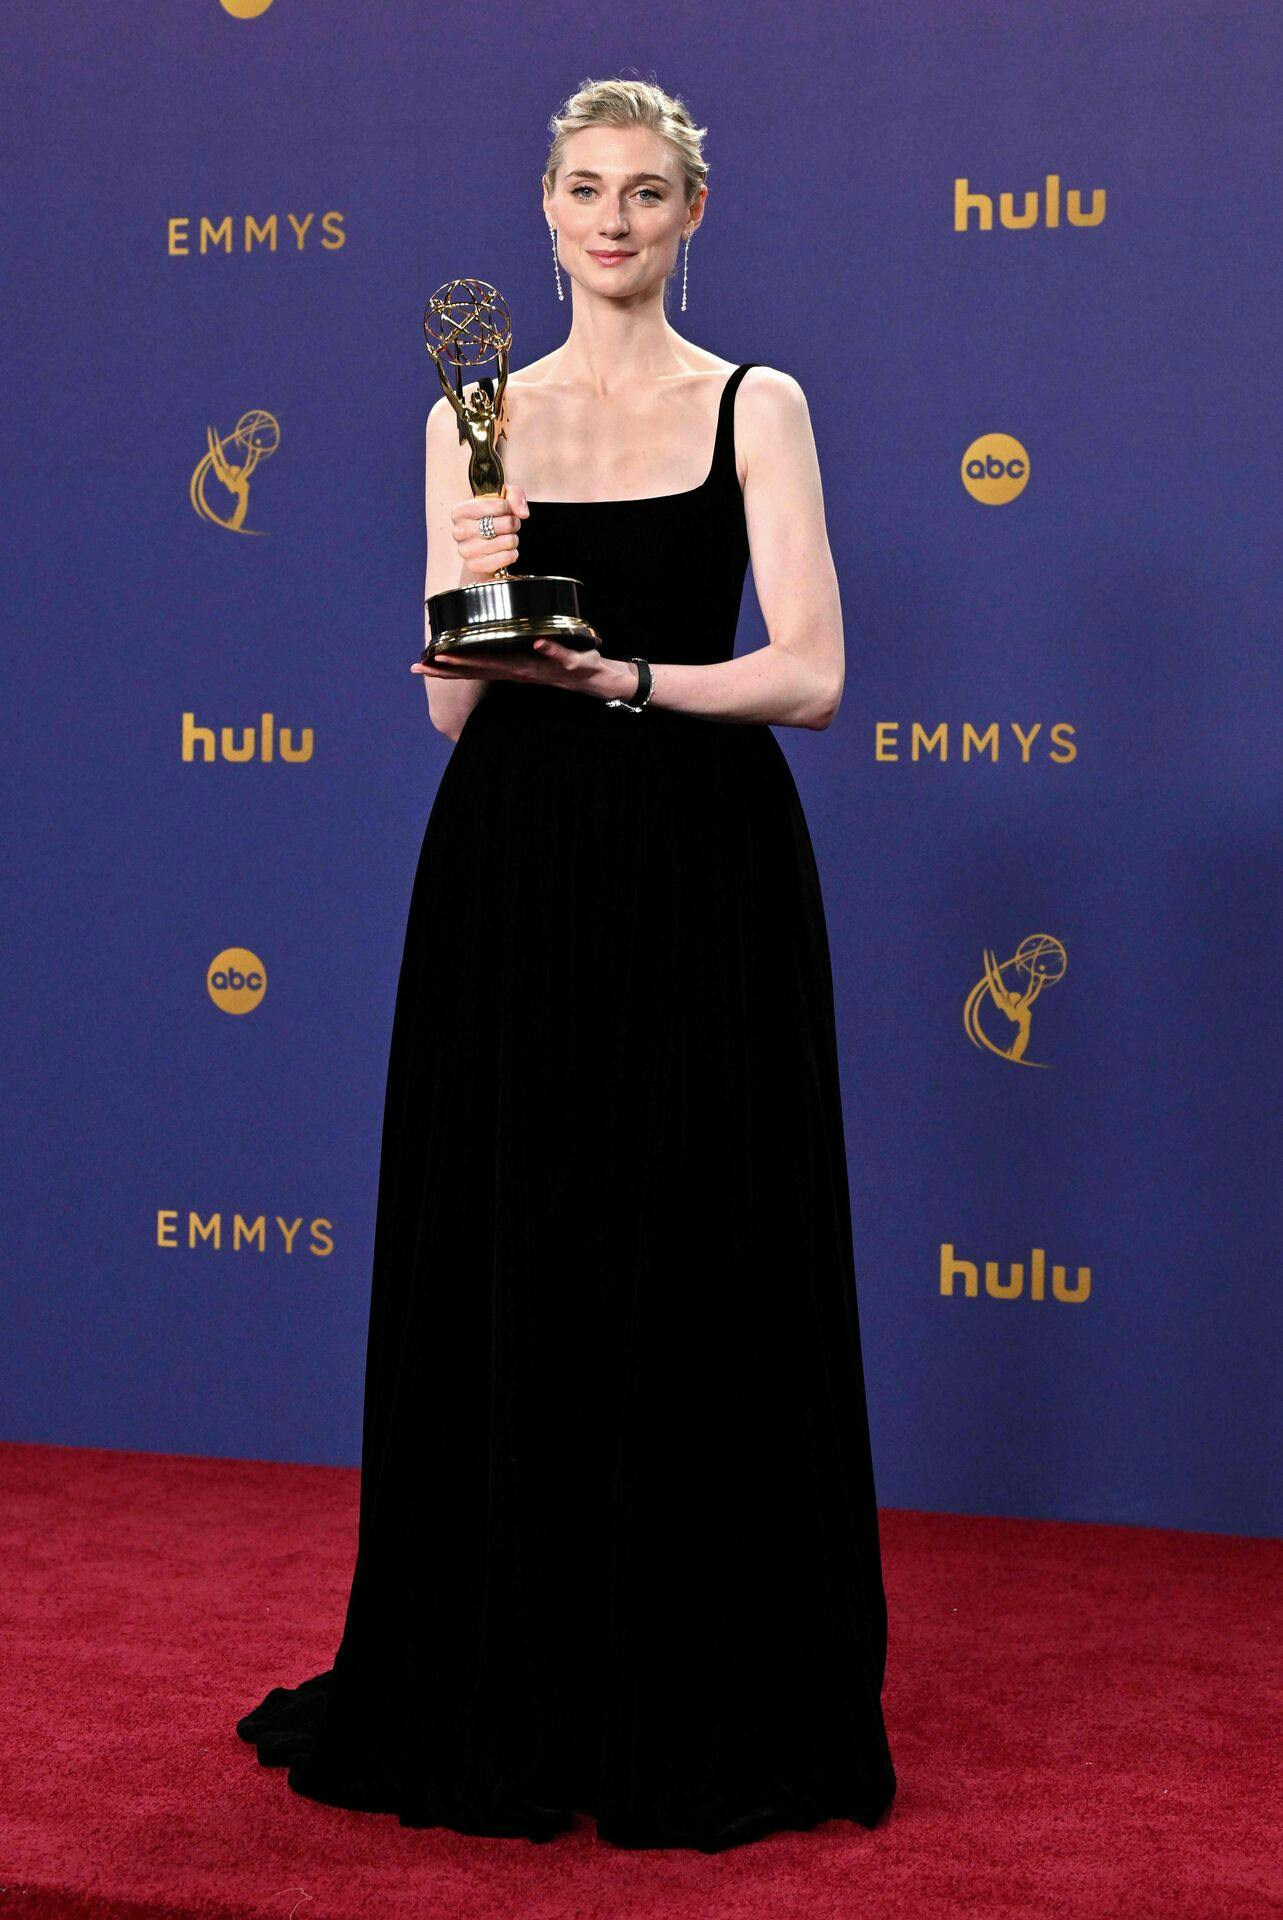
(207, 1231)
(995, 468)
(932, 742)
(964, 202)
(256, 436)
(1039, 961)
(236, 980)
(465, 324)
(952, 1269)
(219, 236)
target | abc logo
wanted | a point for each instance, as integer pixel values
(237, 980)
(995, 468)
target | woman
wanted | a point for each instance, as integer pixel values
(618, 1546)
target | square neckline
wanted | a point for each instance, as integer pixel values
(649, 499)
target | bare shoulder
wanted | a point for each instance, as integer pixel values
(442, 422)
(772, 425)
(772, 398)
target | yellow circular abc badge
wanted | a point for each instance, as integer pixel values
(245, 9)
(995, 468)
(237, 980)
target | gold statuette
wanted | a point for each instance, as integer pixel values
(466, 324)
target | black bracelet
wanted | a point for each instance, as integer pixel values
(645, 687)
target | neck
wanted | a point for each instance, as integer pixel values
(614, 345)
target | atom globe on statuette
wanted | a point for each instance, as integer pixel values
(466, 324)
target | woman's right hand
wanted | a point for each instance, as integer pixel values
(483, 557)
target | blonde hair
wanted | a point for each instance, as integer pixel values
(631, 103)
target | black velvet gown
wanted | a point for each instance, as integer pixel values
(618, 1543)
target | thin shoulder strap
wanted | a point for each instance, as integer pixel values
(724, 449)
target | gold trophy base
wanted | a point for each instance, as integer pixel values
(510, 611)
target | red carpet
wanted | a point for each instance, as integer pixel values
(1085, 1722)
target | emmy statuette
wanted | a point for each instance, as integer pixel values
(465, 324)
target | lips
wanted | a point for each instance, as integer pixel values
(609, 259)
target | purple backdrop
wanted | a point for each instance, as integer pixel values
(1127, 595)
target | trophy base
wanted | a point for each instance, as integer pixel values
(511, 611)
(513, 635)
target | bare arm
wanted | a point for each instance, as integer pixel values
(797, 678)
(445, 481)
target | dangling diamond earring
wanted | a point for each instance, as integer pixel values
(556, 264)
(685, 263)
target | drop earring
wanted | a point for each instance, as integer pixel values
(556, 264)
(685, 264)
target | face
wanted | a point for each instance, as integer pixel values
(618, 209)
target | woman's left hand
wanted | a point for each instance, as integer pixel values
(549, 663)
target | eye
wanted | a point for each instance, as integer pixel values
(584, 187)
